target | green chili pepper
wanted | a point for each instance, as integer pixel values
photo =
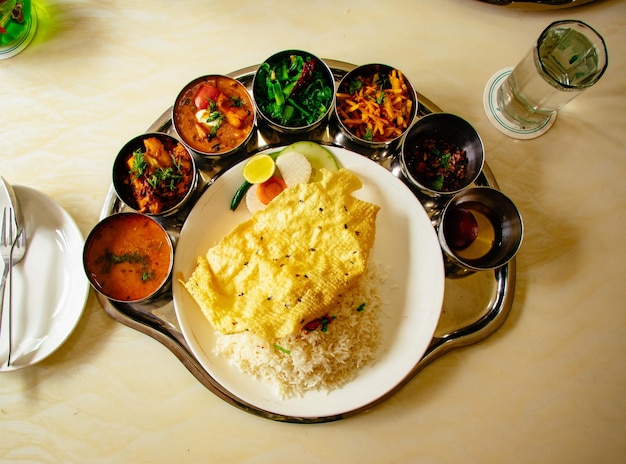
(239, 194)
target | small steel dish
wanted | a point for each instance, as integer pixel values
(262, 99)
(166, 202)
(346, 87)
(505, 219)
(128, 257)
(443, 128)
(223, 123)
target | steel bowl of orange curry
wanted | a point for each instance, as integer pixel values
(214, 115)
(128, 257)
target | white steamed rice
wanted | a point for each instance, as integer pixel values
(315, 360)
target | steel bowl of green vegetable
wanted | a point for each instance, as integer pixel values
(442, 154)
(294, 92)
(375, 105)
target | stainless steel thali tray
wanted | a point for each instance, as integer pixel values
(474, 307)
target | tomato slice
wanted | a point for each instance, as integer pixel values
(206, 93)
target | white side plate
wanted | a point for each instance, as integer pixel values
(49, 286)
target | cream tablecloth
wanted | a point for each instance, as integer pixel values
(548, 387)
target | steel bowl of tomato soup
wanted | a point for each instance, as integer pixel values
(294, 92)
(375, 105)
(128, 257)
(155, 174)
(214, 115)
(442, 154)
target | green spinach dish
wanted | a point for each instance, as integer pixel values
(293, 91)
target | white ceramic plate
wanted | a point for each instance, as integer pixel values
(49, 286)
(412, 296)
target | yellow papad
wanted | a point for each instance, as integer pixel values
(287, 264)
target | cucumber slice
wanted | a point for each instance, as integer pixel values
(318, 156)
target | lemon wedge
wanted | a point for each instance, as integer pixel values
(259, 168)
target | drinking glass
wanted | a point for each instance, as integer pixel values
(568, 57)
(18, 23)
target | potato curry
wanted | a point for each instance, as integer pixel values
(160, 175)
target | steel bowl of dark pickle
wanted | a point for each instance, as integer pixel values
(294, 92)
(442, 154)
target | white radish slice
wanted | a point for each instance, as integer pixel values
(252, 200)
(319, 157)
(294, 168)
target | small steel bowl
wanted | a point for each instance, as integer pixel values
(128, 258)
(494, 212)
(365, 134)
(442, 129)
(321, 83)
(159, 193)
(214, 115)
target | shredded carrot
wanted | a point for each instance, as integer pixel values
(269, 189)
(376, 112)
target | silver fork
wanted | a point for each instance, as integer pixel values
(12, 250)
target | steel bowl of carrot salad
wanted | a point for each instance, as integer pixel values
(375, 104)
